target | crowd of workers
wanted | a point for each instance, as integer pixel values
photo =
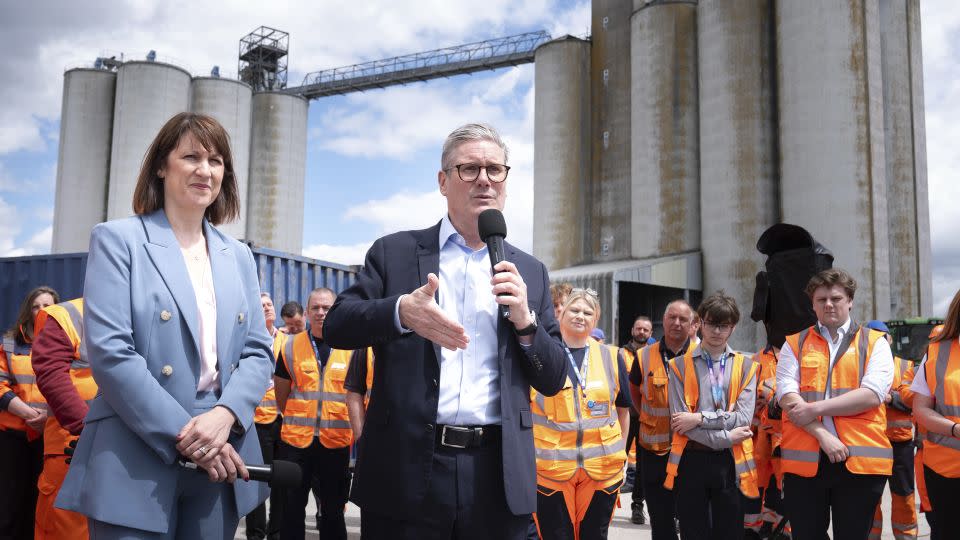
(778, 443)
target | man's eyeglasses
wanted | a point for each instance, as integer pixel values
(717, 327)
(469, 172)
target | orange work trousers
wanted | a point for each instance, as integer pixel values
(589, 504)
(903, 501)
(54, 523)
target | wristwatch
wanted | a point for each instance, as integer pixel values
(529, 330)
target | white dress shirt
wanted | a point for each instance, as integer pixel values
(469, 378)
(878, 376)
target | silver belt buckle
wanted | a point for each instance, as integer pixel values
(458, 429)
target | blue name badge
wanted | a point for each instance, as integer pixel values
(599, 408)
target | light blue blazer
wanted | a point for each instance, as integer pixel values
(142, 339)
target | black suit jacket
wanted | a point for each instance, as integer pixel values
(395, 452)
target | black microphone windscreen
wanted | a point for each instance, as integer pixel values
(286, 474)
(491, 223)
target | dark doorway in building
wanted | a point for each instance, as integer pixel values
(651, 300)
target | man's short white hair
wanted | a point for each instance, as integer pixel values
(467, 133)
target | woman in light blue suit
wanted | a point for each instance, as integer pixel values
(178, 346)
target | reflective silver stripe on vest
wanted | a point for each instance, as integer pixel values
(799, 455)
(837, 392)
(899, 424)
(810, 396)
(268, 403)
(37, 405)
(8, 346)
(311, 396)
(589, 423)
(609, 369)
(587, 453)
(654, 439)
(288, 359)
(299, 421)
(943, 358)
(333, 424)
(943, 440)
(25, 379)
(333, 396)
(746, 466)
(77, 319)
(870, 452)
(654, 411)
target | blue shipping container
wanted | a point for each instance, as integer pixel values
(285, 276)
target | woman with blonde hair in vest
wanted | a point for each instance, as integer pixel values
(712, 395)
(936, 408)
(579, 433)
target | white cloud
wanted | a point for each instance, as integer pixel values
(350, 254)
(400, 211)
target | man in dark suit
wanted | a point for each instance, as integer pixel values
(447, 447)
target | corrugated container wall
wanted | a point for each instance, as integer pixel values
(148, 94)
(229, 101)
(286, 277)
(831, 137)
(738, 184)
(609, 226)
(665, 193)
(277, 171)
(561, 152)
(83, 163)
(905, 156)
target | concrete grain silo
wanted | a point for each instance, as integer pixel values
(905, 153)
(665, 190)
(561, 152)
(277, 171)
(610, 125)
(83, 163)
(229, 101)
(831, 137)
(738, 183)
(148, 94)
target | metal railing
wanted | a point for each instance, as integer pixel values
(445, 62)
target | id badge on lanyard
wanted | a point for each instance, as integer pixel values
(716, 386)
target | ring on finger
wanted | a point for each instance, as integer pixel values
(202, 450)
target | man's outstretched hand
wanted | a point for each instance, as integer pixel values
(420, 313)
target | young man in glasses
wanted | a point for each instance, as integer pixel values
(712, 393)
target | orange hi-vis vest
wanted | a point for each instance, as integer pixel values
(942, 452)
(69, 315)
(317, 404)
(16, 373)
(654, 401)
(899, 423)
(743, 370)
(629, 357)
(863, 434)
(266, 411)
(767, 431)
(578, 428)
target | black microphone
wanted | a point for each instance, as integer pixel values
(493, 229)
(281, 474)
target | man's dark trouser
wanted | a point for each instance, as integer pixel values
(465, 499)
(944, 496)
(257, 525)
(20, 466)
(708, 498)
(660, 500)
(332, 467)
(850, 498)
(633, 437)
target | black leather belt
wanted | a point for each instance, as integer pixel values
(467, 436)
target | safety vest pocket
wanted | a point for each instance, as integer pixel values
(810, 376)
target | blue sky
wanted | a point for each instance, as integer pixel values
(372, 157)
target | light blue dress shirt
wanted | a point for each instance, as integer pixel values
(469, 378)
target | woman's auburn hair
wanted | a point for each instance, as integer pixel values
(148, 194)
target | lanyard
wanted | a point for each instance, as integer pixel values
(582, 372)
(716, 386)
(316, 351)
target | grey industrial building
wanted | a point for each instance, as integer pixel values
(673, 137)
